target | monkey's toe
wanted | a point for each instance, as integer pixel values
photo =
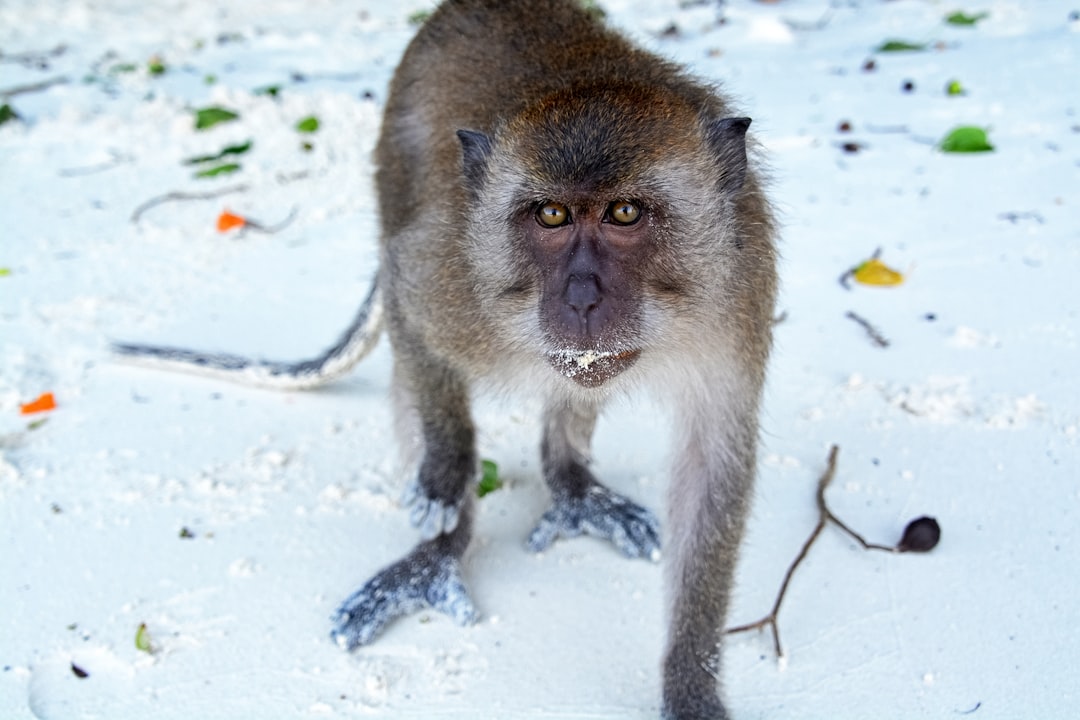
(433, 517)
(420, 580)
(601, 513)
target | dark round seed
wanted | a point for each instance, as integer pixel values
(920, 535)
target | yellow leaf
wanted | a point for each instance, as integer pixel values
(875, 272)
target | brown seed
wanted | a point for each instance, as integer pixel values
(844, 127)
(920, 535)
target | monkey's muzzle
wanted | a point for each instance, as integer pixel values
(592, 368)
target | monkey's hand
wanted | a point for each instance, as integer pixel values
(424, 578)
(432, 516)
(601, 513)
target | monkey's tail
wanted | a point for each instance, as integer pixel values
(355, 343)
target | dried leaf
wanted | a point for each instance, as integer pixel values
(875, 272)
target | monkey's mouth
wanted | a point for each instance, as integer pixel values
(592, 368)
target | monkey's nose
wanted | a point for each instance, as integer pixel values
(583, 294)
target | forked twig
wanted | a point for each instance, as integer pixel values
(920, 535)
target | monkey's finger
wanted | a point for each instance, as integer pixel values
(449, 596)
(551, 527)
(434, 517)
(366, 612)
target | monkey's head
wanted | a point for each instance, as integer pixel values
(599, 216)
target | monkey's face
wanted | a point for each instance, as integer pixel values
(595, 226)
(586, 255)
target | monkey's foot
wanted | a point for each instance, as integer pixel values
(423, 578)
(433, 517)
(601, 513)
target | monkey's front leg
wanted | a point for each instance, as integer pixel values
(581, 505)
(709, 500)
(430, 575)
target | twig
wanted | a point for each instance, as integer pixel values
(177, 195)
(875, 335)
(35, 58)
(270, 229)
(908, 543)
(117, 160)
(770, 620)
(32, 87)
(850, 272)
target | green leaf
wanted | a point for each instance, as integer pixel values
(964, 20)
(309, 124)
(142, 639)
(4, 272)
(226, 169)
(966, 139)
(123, 68)
(594, 10)
(954, 89)
(156, 66)
(271, 90)
(489, 478)
(227, 151)
(211, 116)
(900, 46)
(209, 79)
(37, 424)
(7, 114)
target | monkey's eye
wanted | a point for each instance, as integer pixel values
(553, 214)
(624, 212)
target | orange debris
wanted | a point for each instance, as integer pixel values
(43, 403)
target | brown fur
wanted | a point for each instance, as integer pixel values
(563, 109)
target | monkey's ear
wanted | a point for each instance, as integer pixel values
(727, 137)
(475, 151)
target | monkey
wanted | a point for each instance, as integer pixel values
(562, 211)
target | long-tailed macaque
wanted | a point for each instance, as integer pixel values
(563, 212)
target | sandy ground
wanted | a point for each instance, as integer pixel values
(231, 521)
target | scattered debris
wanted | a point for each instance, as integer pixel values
(489, 478)
(179, 195)
(875, 335)
(872, 272)
(966, 139)
(230, 221)
(42, 403)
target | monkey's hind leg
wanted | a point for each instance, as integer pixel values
(581, 505)
(432, 394)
